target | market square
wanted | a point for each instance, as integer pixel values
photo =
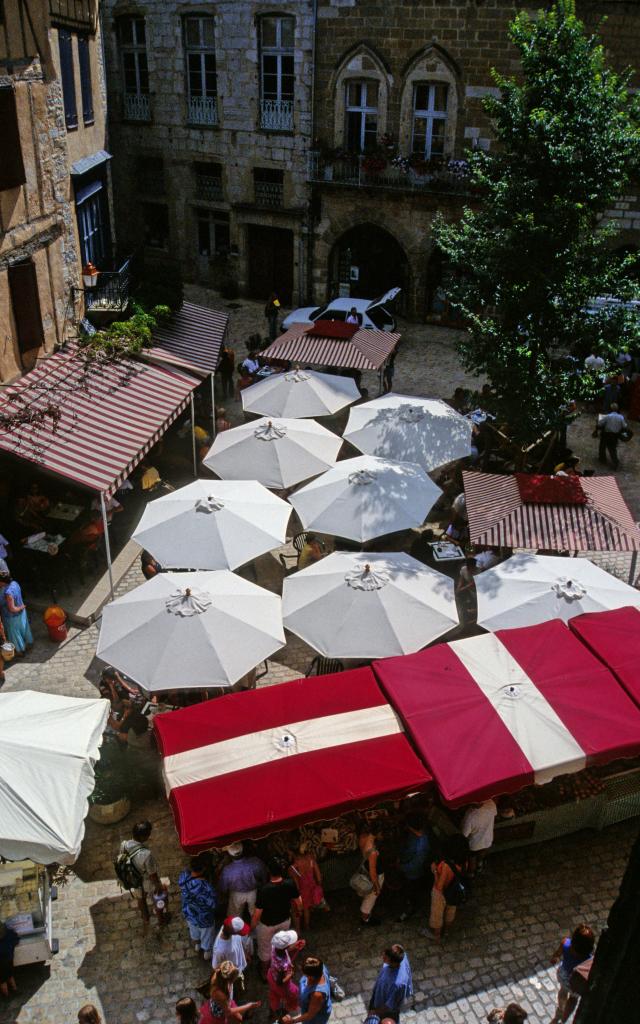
(319, 512)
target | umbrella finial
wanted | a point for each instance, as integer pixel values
(187, 592)
(367, 568)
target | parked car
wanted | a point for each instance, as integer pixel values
(373, 313)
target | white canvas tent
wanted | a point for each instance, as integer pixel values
(48, 748)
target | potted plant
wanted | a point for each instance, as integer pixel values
(110, 800)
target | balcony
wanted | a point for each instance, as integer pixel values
(269, 193)
(202, 110)
(110, 295)
(209, 188)
(372, 171)
(276, 115)
(137, 106)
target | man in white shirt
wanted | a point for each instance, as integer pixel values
(251, 365)
(233, 943)
(610, 427)
(477, 826)
(486, 559)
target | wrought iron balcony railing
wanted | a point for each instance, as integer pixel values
(269, 193)
(203, 110)
(112, 290)
(137, 106)
(276, 115)
(370, 171)
(209, 188)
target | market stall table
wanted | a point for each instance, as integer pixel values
(254, 763)
(446, 551)
(65, 512)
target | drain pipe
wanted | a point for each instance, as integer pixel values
(310, 216)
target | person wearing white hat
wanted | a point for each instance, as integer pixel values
(283, 993)
(240, 879)
(230, 943)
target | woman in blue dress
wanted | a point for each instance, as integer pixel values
(14, 615)
(315, 994)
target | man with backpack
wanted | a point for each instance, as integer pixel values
(449, 886)
(137, 871)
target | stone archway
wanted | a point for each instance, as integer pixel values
(367, 261)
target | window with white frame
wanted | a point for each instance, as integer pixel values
(135, 70)
(201, 70)
(361, 115)
(429, 119)
(276, 72)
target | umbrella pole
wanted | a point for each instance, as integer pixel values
(107, 545)
(213, 408)
(193, 439)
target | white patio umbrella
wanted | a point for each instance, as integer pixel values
(527, 589)
(278, 452)
(48, 748)
(299, 393)
(184, 630)
(422, 430)
(367, 605)
(366, 497)
(213, 524)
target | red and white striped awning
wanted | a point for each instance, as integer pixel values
(365, 350)
(253, 763)
(110, 416)
(499, 517)
(498, 712)
(190, 339)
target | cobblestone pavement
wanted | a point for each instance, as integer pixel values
(499, 951)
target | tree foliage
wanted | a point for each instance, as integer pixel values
(527, 262)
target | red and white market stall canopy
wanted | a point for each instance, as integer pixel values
(332, 343)
(614, 637)
(549, 512)
(499, 712)
(253, 763)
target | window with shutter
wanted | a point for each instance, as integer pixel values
(11, 164)
(68, 82)
(25, 302)
(84, 61)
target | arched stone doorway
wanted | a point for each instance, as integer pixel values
(366, 262)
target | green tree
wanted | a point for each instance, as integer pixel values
(526, 263)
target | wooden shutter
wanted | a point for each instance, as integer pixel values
(11, 164)
(65, 43)
(84, 61)
(25, 301)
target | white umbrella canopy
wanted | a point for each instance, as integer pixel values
(185, 630)
(409, 429)
(366, 497)
(299, 393)
(48, 747)
(367, 605)
(528, 589)
(213, 524)
(278, 452)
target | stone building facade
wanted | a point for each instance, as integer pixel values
(398, 103)
(210, 107)
(49, 154)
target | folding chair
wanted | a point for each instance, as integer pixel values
(324, 666)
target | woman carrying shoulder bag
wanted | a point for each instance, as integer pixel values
(372, 869)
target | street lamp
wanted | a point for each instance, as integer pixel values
(89, 275)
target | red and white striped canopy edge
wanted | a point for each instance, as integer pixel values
(110, 417)
(499, 518)
(365, 350)
(255, 762)
(501, 711)
(191, 338)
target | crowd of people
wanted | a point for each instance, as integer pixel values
(249, 916)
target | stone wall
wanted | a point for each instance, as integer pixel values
(34, 216)
(237, 142)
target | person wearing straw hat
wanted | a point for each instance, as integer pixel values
(220, 1007)
(283, 993)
